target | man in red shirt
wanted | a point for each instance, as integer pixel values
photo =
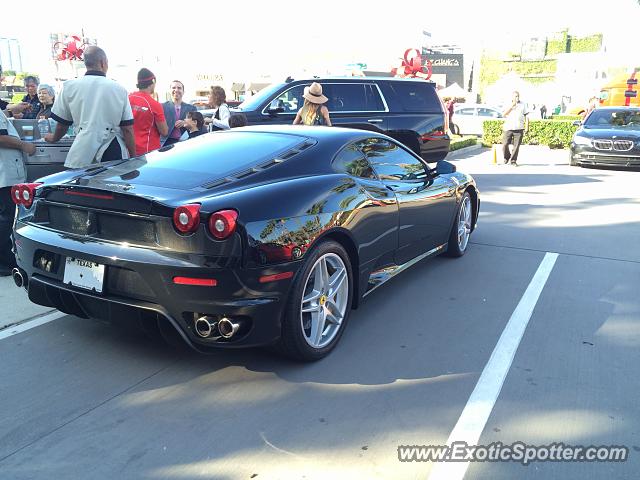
(148, 117)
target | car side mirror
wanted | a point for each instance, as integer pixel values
(577, 123)
(444, 167)
(276, 106)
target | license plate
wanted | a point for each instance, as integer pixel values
(84, 274)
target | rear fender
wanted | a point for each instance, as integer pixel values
(281, 224)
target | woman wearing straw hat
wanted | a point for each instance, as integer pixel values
(313, 112)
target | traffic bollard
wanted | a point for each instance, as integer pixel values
(495, 154)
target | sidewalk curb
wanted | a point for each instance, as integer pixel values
(33, 317)
(462, 151)
(28, 325)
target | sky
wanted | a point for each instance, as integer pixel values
(282, 36)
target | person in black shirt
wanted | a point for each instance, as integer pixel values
(31, 83)
(47, 96)
(194, 122)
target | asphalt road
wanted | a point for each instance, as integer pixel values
(82, 399)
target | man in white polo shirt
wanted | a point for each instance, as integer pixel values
(12, 171)
(514, 126)
(100, 111)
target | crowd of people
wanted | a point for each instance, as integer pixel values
(154, 124)
(111, 123)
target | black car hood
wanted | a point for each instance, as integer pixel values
(609, 133)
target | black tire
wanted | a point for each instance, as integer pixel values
(292, 342)
(572, 160)
(454, 249)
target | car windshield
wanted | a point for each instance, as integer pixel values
(252, 103)
(629, 119)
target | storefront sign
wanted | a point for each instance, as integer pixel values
(210, 77)
(449, 64)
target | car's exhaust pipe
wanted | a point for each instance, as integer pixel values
(205, 326)
(18, 279)
(227, 328)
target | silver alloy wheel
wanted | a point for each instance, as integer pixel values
(324, 300)
(464, 223)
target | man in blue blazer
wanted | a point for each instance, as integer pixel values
(175, 111)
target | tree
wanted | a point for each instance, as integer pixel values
(269, 228)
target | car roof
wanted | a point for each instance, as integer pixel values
(361, 79)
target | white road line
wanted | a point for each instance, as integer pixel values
(36, 322)
(480, 404)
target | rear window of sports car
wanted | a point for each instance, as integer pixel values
(213, 156)
(222, 153)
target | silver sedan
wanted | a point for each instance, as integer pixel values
(468, 118)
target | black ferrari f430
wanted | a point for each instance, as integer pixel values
(253, 236)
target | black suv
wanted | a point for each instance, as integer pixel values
(408, 110)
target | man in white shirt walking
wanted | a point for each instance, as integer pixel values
(100, 110)
(515, 123)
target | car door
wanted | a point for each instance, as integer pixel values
(372, 214)
(282, 109)
(426, 202)
(356, 104)
(350, 104)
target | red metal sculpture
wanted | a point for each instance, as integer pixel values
(412, 66)
(71, 49)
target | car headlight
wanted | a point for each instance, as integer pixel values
(580, 140)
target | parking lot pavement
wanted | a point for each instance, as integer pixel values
(82, 399)
(573, 379)
(396, 379)
(546, 205)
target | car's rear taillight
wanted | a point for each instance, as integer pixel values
(437, 135)
(15, 195)
(198, 282)
(222, 223)
(24, 193)
(187, 218)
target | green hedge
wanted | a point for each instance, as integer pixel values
(592, 43)
(459, 143)
(556, 46)
(566, 117)
(562, 42)
(534, 72)
(554, 133)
